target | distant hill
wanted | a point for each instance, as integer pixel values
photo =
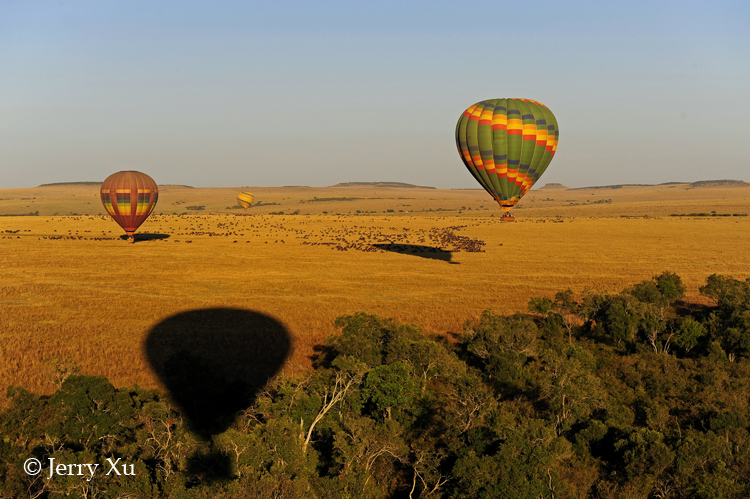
(700, 183)
(380, 184)
(58, 184)
(549, 186)
(69, 183)
(615, 186)
(720, 183)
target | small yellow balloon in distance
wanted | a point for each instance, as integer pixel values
(245, 199)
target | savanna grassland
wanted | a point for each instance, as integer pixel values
(72, 289)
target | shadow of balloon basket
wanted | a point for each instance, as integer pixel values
(145, 237)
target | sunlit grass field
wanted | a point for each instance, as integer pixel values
(72, 289)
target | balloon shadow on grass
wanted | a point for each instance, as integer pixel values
(422, 251)
(213, 362)
(146, 237)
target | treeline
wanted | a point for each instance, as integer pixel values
(630, 395)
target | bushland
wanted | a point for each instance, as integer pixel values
(634, 394)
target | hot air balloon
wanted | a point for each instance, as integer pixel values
(245, 199)
(507, 144)
(129, 198)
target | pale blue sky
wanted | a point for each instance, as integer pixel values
(315, 93)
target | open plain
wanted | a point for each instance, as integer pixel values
(72, 290)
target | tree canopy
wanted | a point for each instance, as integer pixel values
(637, 394)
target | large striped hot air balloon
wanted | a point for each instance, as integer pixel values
(245, 199)
(507, 144)
(129, 198)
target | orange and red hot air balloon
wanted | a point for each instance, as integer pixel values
(129, 198)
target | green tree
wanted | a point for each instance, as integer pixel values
(501, 347)
(389, 386)
(523, 465)
(643, 452)
(427, 359)
(730, 325)
(568, 308)
(670, 286)
(716, 287)
(541, 306)
(652, 326)
(494, 333)
(648, 292)
(571, 391)
(689, 334)
(617, 319)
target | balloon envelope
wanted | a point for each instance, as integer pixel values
(245, 199)
(129, 197)
(507, 144)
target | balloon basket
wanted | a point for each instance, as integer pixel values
(507, 217)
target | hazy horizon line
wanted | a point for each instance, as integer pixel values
(397, 183)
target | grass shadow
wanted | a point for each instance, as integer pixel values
(419, 250)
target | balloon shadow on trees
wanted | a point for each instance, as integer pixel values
(146, 237)
(213, 362)
(419, 250)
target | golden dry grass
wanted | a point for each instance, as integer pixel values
(71, 288)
